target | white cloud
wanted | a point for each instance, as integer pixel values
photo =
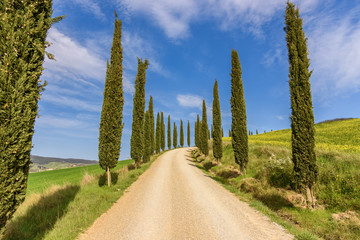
(91, 6)
(175, 17)
(58, 122)
(72, 103)
(72, 59)
(189, 100)
(280, 117)
(334, 46)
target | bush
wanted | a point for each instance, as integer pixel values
(209, 164)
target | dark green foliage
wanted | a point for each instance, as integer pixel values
(169, 133)
(137, 134)
(181, 134)
(175, 136)
(198, 132)
(188, 134)
(162, 142)
(238, 110)
(147, 137)
(212, 131)
(302, 118)
(158, 134)
(257, 132)
(23, 28)
(152, 124)
(204, 132)
(229, 132)
(217, 129)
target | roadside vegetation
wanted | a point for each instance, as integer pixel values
(268, 182)
(66, 202)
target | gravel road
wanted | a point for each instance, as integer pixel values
(174, 200)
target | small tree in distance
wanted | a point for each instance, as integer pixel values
(181, 134)
(158, 133)
(162, 132)
(169, 133)
(188, 134)
(204, 132)
(175, 136)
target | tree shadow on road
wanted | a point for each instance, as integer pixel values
(42, 214)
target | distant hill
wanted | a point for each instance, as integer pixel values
(50, 163)
(337, 134)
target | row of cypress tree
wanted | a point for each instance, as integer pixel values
(302, 117)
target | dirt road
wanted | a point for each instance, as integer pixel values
(174, 200)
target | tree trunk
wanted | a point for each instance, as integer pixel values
(108, 176)
(310, 200)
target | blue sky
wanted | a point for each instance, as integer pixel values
(188, 44)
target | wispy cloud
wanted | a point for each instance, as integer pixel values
(334, 43)
(176, 17)
(72, 59)
(59, 122)
(72, 102)
(189, 100)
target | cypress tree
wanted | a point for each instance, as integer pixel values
(162, 132)
(199, 133)
(181, 134)
(204, 131)
(238, 110)
(188, 134)
(169, 133)
(302, 116)
(196, 134)
(175, 136)
(111, 114)
(257, 132)
(137, 134)
(23, 29)
(152, 124)
(147, 137)
(217, 130)
(229, 132)
(158, 134)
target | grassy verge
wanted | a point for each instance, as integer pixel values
(63, 212)
(267, 187)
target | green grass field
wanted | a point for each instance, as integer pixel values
(40, 181)
(268, 180)
(60, 204)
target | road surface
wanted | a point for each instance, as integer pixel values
(174, 200)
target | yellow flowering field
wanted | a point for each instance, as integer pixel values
(341, 135)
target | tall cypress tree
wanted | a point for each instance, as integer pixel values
(217, 134)
(238, 110)
(188, 134)
(23, 29)
(169, 133)
(152, 124)
(181, 134)
(137, 134)
(195, 134)
(204, 131)
(198, 123)
(158, 134)
(175, 136)
(162, 132)
(302, 118)
(147, 137)
(111, 114)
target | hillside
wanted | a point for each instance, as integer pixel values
(341, 135)
(50, 163)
